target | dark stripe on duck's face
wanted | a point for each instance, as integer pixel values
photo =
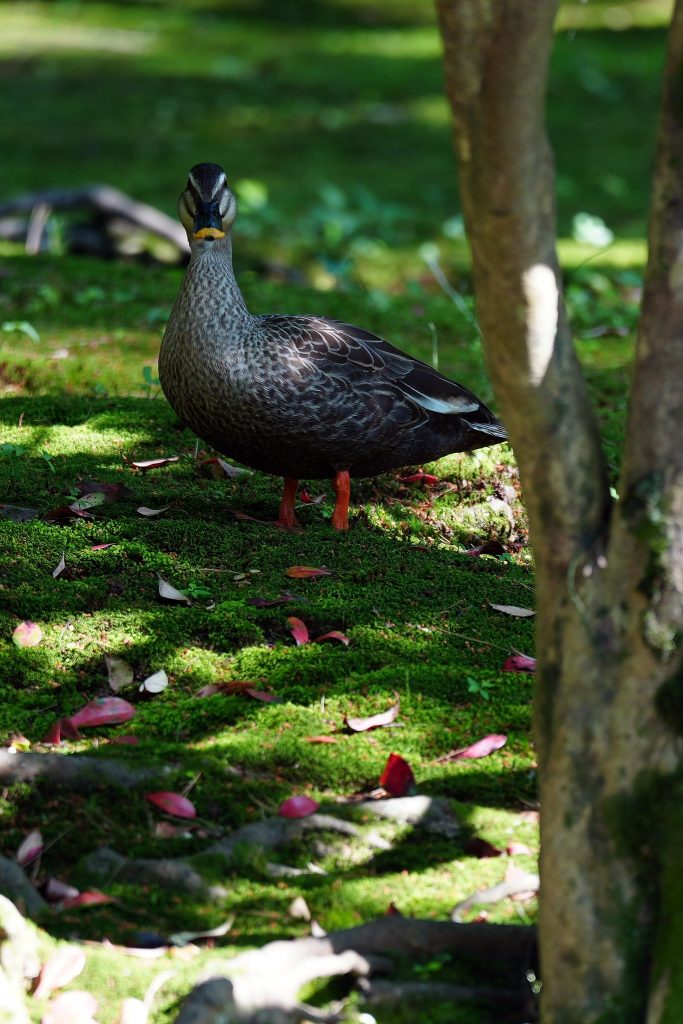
(207, 221)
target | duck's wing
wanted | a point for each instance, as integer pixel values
(337, 349)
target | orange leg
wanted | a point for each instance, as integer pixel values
(342, 488)
(286, 517)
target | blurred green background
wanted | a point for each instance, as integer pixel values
(329, 117)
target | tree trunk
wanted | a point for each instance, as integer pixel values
(609, 701)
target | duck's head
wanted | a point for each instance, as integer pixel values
(207, 206)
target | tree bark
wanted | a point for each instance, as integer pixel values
(609, 710)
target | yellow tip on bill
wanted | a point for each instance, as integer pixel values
(209, 233)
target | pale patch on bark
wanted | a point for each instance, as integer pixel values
(658, 999)
(539, 287)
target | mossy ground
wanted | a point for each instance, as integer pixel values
(315, 109)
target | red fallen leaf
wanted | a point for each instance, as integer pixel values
(420, 478)
(146, 464)
(130, 740)
(297, 807)
(101, 547)
(71, 1008)
(482, 748)
(477, 847)
(307, 498)
(61, 968)
(173, 803)
(306, 572)
(397, 777)
(111, 492)
(54, 734)
(517, 848)
(263, 695)
(91, 898)
(104, 711)
(299, 630)
(393, 911)
(373, 721)
(321, 739)
(69, 730)
(262, 602)
(491, 547)
(333, 635)
(27, 634)
(63, 729)
(64, 514)
(519, 663)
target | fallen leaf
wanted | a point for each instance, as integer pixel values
(61, 968)
(478, 847)
(68, 730)
(519, 663)
(420, 478)
(299, 630)
(71, 1008)
(526, 883)
(482, 748)
(219, 469)
(169, 593)
(397, 777)
(517, 848)
(263, 695)
(151, 512)
(104, 711)
(333, 635)
(183, 938)
(373, 721)
(29, 848)
(133, 1011)
(173, 803)
(64, 514)
(297, 807)
(119, 672)
(27, 634)
(111, 492)
(306, 572)
(88, 501)
(53, 737)
(55, 891)
(154, 683)
(146, 464)
(321, 739)
(307, 498)
(512, 609)
(91, 898)
(61, 566)
(490, 547)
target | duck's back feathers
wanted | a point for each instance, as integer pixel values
(408, 411)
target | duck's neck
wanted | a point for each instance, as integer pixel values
(210, 273)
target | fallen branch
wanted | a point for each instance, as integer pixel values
(76, 771)
(269, 979)
(104, 200)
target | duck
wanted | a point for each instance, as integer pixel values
(300, 397)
